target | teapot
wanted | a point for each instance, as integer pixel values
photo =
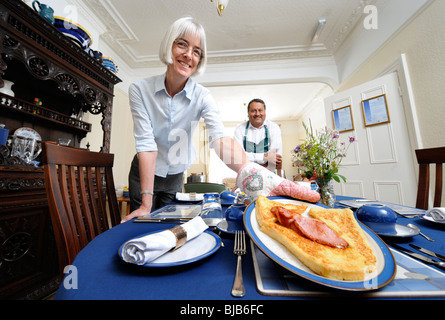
(44, 10)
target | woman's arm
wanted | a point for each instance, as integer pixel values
(231, 153)
(147, 165)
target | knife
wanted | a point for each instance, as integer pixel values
(166, 220)
(428, 252)
(420, 257)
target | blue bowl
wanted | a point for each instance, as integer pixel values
(379, 218)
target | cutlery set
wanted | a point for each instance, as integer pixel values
(440, 264)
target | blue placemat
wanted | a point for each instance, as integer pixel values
(413, 280)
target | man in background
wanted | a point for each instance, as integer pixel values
(260, 137)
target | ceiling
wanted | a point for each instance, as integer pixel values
(249, 30)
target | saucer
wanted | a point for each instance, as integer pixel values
(229, 226)
(401, 232)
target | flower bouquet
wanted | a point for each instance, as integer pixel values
(320, 156)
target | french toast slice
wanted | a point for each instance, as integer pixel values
(349, 264)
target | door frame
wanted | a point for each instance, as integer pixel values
(400, 67)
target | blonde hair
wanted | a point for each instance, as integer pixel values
(179, 28)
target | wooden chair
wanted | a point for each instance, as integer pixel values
(79, 185)
(425, 157)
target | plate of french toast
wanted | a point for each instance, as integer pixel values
(324, 245)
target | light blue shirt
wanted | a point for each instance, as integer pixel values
(166, 125)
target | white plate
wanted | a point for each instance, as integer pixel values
(199, 248)
(28, 133)
(385, 268)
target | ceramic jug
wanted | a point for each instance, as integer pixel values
(44, 10)
(7, 88)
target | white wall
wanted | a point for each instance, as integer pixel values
(422, 40)
(423, 43)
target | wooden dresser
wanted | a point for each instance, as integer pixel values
(46, 65)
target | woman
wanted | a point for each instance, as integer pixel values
(166, 110)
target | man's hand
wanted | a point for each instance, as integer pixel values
(274, 158)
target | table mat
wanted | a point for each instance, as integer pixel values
(413, 279)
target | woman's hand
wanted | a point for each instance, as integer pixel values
(142, 211)
(254, 180)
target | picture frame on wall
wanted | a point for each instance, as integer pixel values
(375, 111)
(343, 120)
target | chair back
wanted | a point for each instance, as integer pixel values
(204, 187)
(80, 189)
(425, 158)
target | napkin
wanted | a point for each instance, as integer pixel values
(145, 249)
(189, 196)
(437, 214)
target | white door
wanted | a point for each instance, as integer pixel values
(380, 165)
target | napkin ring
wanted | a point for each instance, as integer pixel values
(180, 235)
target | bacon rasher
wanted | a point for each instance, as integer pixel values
(312, 229)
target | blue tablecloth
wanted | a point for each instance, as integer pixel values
(101, 274)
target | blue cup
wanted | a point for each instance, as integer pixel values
(234, 216)
(227, 197)
(3, 136)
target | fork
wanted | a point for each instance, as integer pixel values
(239, 249)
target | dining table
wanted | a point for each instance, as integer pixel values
(99, 273)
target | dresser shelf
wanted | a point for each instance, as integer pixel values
(44, 64)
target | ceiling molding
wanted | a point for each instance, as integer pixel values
(120, 37)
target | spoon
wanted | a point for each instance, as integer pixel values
(422, 234)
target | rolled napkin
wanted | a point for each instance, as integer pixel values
(192, 196)
(255, 180)
(437, 214)
(145, 249)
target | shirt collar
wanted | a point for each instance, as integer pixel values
(188, 88)
(262, 126)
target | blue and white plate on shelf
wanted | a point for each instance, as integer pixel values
(74, 31)
(110, 64)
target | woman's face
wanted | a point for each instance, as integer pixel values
(186, 54)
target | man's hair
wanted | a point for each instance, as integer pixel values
(256, 100)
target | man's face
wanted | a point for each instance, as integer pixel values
(257, 114)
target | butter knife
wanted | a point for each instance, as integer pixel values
(159, 220)
(428, 252)
(420, 257)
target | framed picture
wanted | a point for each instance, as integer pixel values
(343, 119)
(375, 111)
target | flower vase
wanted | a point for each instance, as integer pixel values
(326, 190)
